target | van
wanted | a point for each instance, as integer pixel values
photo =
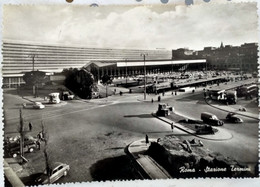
(211, 119)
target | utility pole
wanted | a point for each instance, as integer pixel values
(33, 57)
(35, 90)
(144, 55)
(126, 72)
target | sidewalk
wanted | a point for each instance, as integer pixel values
(11, 173)
(150, 167)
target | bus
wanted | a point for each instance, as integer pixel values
(216, 94)
(228, 97)
(248, 91)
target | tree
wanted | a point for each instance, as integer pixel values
(80, 81)
(35, 77)
(106, 79)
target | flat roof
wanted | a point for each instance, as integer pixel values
(157, 63)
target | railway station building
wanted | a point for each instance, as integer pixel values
(19, 58)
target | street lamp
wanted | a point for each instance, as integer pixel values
(144, 55)
(126, 72)
(35, 92)
(240, 61)
(33, 57)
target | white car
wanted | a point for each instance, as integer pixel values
(57, 170)
(38, 105)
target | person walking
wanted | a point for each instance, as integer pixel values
(38, 143)
(30, 126)
(172, 126)
(152, 100)
(146, 139)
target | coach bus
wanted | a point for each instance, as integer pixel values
(247, 91)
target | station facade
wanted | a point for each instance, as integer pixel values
(19, 58)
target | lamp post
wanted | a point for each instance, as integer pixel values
(33, 57)
(240, 61)
(125, 71)
(34, 91)
(144, 55)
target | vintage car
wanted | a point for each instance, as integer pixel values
(231, 117)
(12, 145)
(57, 170)
(38, 105)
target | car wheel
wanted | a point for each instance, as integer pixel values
(31, 150)
(14, 155)
(65, 173)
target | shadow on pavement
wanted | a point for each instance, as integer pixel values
(30, 180)
(139, 116)
(114, 168)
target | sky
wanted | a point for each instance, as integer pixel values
(135, 27)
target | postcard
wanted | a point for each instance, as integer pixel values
(129, 92)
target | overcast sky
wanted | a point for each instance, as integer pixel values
(141, 27)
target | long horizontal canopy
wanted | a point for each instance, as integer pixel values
(158, 63)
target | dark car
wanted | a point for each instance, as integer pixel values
(12, 146)
(211, 119)
(57, 170)
(231, 117)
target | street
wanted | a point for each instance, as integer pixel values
(91, 136)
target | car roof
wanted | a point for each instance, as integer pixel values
(54, 165)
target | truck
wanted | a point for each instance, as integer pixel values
(164, 109)
(231, 97)
(211, 119)
(54, 98)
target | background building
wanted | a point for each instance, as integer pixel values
(238, 58)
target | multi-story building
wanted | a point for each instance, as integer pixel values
(19, 58)
(239, 58)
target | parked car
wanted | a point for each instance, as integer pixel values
(231, 117)
(211, 119)
(38, 105)
(12, 145)
(57, 170)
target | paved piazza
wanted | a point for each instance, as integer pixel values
(91, 135)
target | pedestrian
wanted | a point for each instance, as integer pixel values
(30, 126)
(172, 126)
(40, 136)
(175, 92)
(172, 93)
(152, 100)
(38, 143)
(146, 139)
